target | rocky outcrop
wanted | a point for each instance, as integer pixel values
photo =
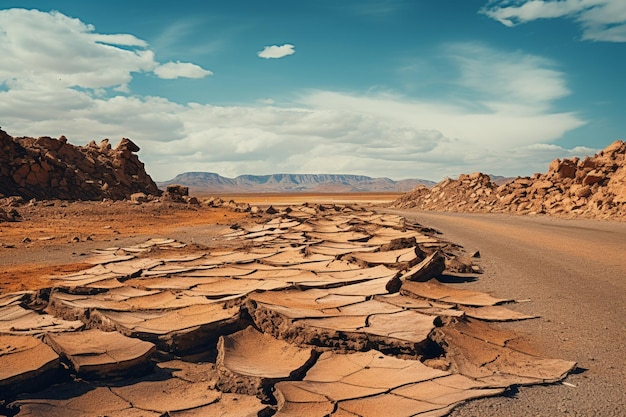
(49, 168)
(594, 187)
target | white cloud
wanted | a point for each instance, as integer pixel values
(68, 86)
(275, 51)
(512, 95)
(52, 51)
(179, 69)
(123, 39)
(539, 155)
(507, 77)
(601, 20)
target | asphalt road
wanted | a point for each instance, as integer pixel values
(573, 274)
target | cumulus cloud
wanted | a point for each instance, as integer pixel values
(275, 51)
(172, 70)
(56, 78)
(52, 51)
(120, 39)
(600, 20)
(512, 95)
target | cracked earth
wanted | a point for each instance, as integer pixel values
(306, 310)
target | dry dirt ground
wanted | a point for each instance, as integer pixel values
(55, 236)
(574, 282)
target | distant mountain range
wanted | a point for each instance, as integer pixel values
(209, 182)
(499, 179)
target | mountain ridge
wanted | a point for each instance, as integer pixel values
(211, 182)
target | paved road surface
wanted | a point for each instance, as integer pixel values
(574, 274)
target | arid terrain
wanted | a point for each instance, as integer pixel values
(56, 238)
(118, 298)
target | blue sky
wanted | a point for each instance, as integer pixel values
(395, 88)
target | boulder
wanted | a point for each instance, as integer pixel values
(9, 215)
(176, 193)
(138, 198)
(593, 177)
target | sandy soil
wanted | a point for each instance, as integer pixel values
(54, 237)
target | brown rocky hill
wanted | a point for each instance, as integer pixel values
(594, 187)
(49, 168)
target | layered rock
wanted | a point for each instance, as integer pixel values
(49, 168)
(594, 187)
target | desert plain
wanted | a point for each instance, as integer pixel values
(566, 274)
(469, 298)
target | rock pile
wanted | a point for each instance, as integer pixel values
(470, 193)
(594, 187)
(291, 317)
(48, 168)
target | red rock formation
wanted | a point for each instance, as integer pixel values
(49, 168)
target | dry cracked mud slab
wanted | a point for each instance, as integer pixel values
(322, 318)
(434, 290)
(495, 313)
(253, 317)
(179, 330)
(25, 363)
(122, 299)
(399, 258)
(148, 398)
(250, 362)
(102, 354)
(17, 320)
(430, 267)
(373, 384)
(430, 307)
(78, 401)
(336, 249)
(485, 354)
